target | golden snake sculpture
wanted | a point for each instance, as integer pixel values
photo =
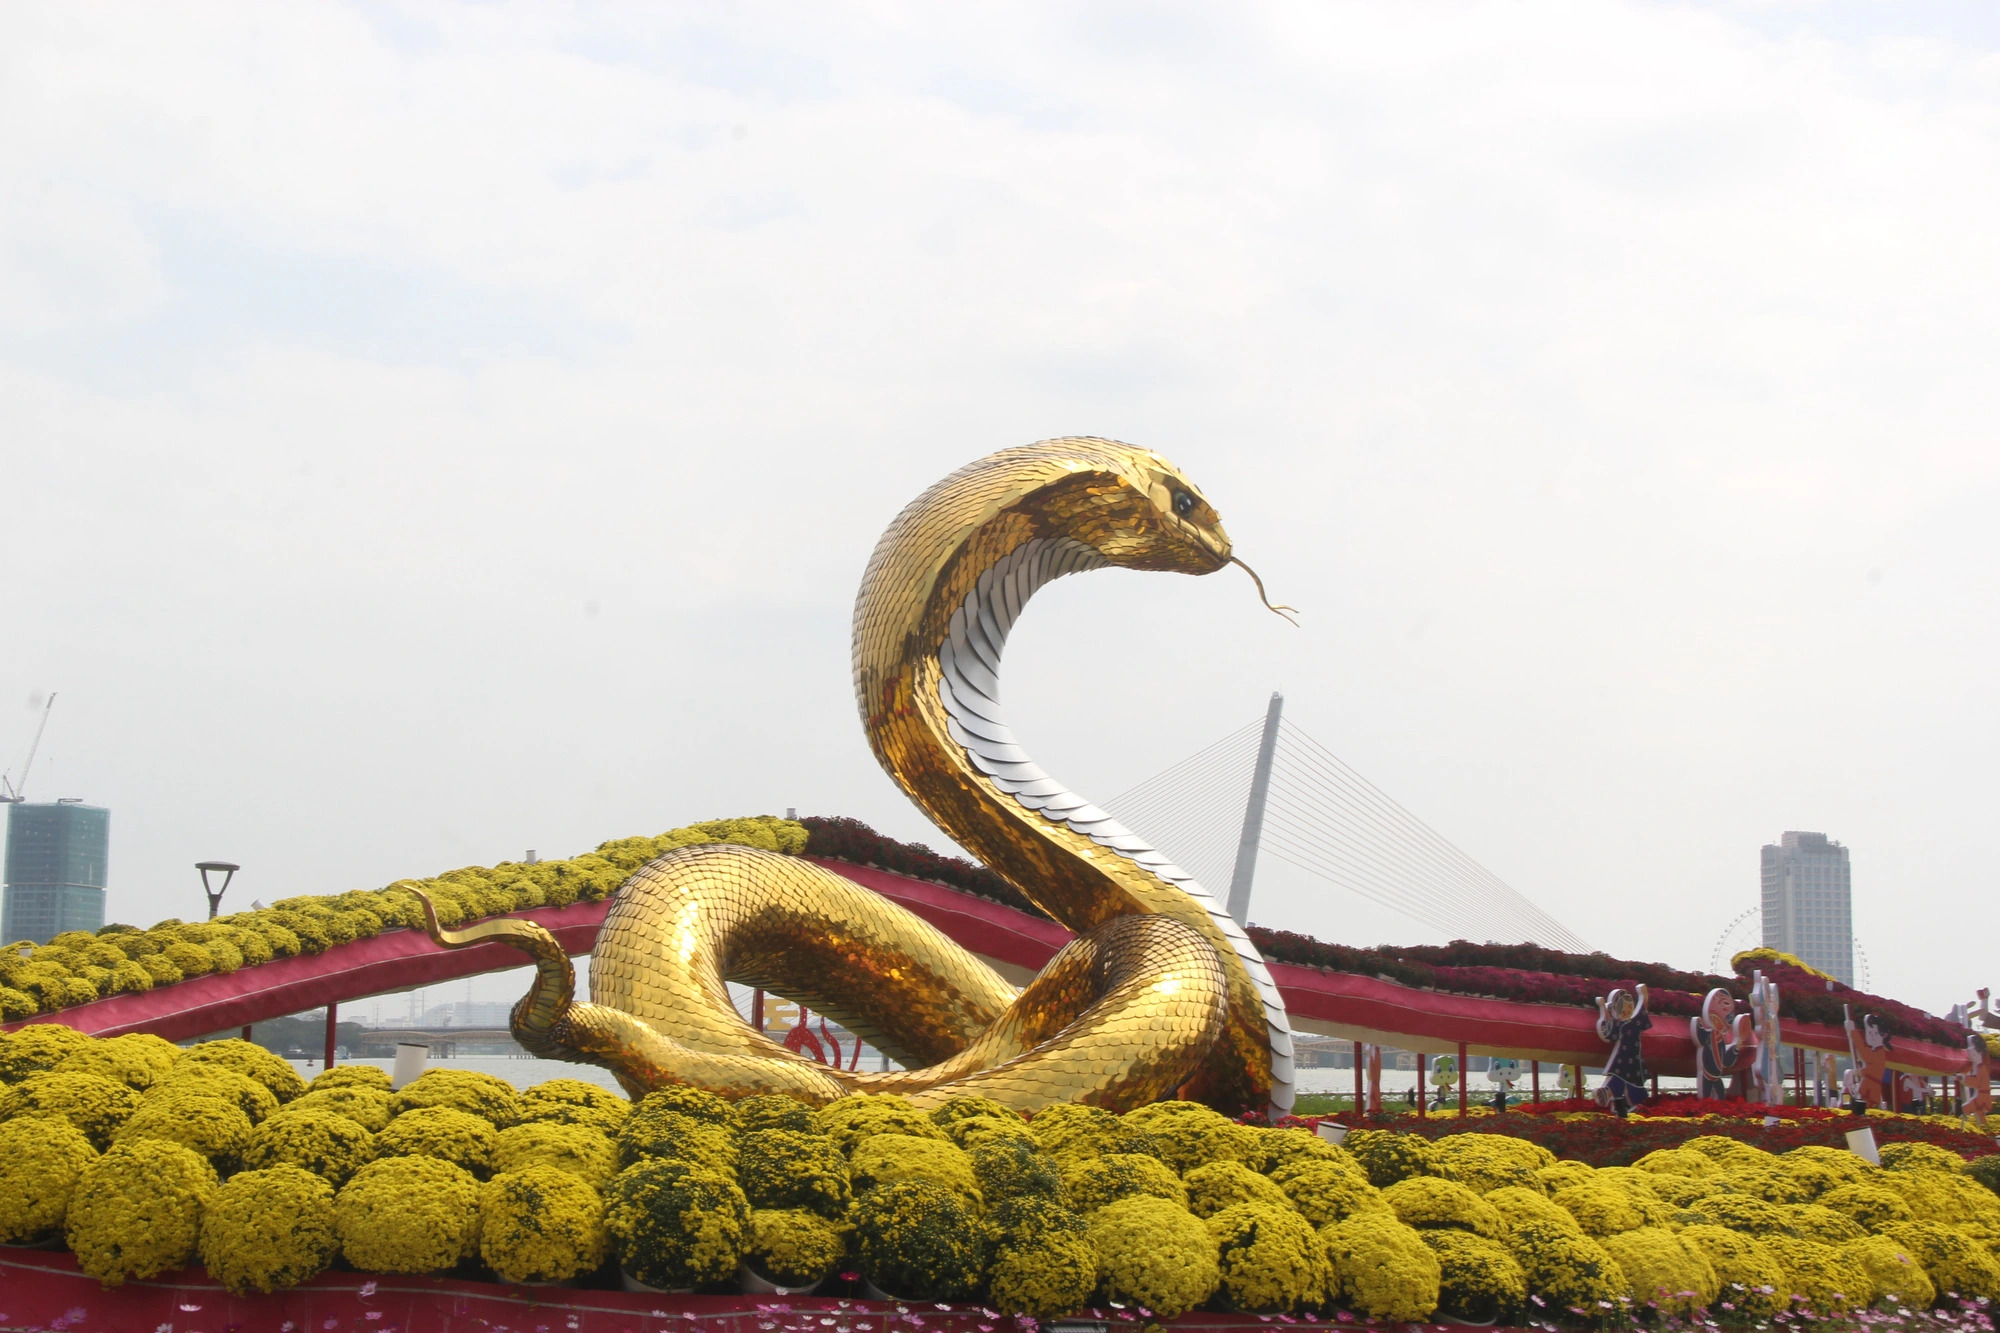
(1160, 992)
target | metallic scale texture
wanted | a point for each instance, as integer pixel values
(1161, 991)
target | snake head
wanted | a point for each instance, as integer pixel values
(1152, 517)
(1167, 524)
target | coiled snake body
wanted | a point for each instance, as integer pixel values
(1160, 990)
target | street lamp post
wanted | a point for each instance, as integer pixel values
(227, 869)
(228, 872)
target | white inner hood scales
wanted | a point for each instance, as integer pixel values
(970, 692)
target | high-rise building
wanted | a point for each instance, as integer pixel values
(56, 857)
(1808, 892)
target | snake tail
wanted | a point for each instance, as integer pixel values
(537, 1018)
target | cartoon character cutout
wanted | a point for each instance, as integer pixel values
(1870, 1047)
(1975, 1086)
(1622, 1019)
(1722, 1040)
(1764, 1068)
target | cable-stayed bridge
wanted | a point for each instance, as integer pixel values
(1268, 788)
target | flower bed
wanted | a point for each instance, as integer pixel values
(77, 968)
(1580, 1130)
(1169, 1211)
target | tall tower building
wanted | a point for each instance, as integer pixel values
(1808, 892)
(56, 858)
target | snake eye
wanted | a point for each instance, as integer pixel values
(1183, 503)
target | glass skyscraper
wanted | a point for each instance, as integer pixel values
(1808, 892)
(56, 858)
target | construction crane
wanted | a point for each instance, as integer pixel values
(13, 793)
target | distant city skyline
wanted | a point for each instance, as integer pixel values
(1808, 908)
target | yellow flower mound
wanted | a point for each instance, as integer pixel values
(540, 1224)
(268, 1230)
(1050, 1275)
(571, 1101)
(1817, 1222)
(350, 1076)
(408, 1215)
(1276, 1149)
(1872, 1206)
(1187, 1134)
(1957, 1264)
(851, 1119)
(1752, 1282)
(973, 1130)
(1483, 1162)
(1424, 1201)
(1009, 1168)
(1388, 1157)
(771, 1111)
(964, 1108)
(1568, 1271)
(782, 1169)
(1770, 1183)
(1478, 1280)
(1067, 1130)
(1950, 1197)
(1385, 1269)
(674, 1137)
(250, 1060)
(1826, 1280)
(330, 1146)
(1098, 1182)
(1564, 1174)
(1684, 1191)
(1920, 1157)
(1605, 1208)
(1519, 1205)
(214, 1080)
(41, 1160)
(137, 1059)
(1677, 1162)
(889, 1159)
(1725, 1151)
(915, 1239)
(792, 1247)
(216, 1129)
(1661, 1269)
(578, 1149)
(1329, 1191)
(491, 1099)
(136, 1212)
(1892, 1271)
(1740, 1212)
(367, 1107)
(675, 1225)
(36, 1049)
(454, 1136)
(1270, 1258)
(95, 1105)
(1155, 1254)
(1220, 1185)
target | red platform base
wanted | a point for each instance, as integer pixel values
(41, 1291)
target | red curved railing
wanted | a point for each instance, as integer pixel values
(1340, 1004)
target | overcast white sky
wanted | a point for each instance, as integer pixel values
(429, 432)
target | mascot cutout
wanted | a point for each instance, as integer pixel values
(1869, 1046)
(1720, 1043)
(1621, 1020)
(1975, 1086)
